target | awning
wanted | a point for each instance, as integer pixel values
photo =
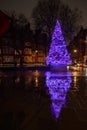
(4, 22)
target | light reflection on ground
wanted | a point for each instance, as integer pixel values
(58, 86)
(26, 97)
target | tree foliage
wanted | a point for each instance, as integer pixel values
(46, 13)
(20, 30)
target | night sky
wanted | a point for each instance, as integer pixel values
(26, 6)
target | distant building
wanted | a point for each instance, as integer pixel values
(85, 56)
(78, 47)
(33, 55)
(17, 46)
(9, 56)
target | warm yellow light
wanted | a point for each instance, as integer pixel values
(36, 51)
(75, 83)
(36, 81)
(17, 80)
(75, 73)
(75, 50)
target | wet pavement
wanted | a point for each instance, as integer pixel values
(38, 100)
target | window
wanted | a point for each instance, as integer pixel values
(7, 50)
(27, 51)
(7, 59)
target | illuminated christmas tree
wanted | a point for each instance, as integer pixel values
(58, 54)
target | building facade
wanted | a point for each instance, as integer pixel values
(78, 47)
(29, 55)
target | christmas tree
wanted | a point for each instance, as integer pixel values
(58, 54)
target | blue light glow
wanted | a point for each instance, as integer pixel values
(58, 86)
(58, 53)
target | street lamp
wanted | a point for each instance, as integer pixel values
(75, 55)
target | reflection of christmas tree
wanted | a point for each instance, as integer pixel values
(58, 52)
(58, 87)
